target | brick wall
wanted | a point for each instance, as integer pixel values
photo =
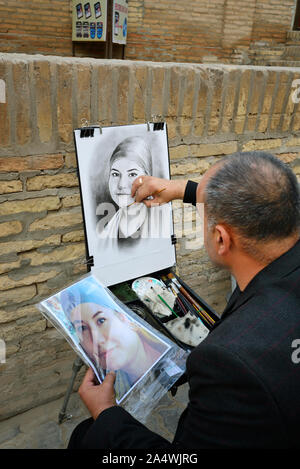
(31, 26)
(272, 20)
(211, 111)
(164, 31)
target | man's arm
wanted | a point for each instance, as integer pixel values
(229, 407)
(113, 426)
(163, 191)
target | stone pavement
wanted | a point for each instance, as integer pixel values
(38, 428)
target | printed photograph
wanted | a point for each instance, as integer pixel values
(106, 336)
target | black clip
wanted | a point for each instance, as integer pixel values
(90, 261)
(158, 126)
(87, 132)
(173, 239)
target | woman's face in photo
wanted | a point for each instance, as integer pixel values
(122, 174)
(106, 337)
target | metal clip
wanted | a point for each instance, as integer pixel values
(88, 261)
(158, 126)
(156, 118)
(85, 123)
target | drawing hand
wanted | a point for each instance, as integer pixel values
(97, 397)
(162, 191)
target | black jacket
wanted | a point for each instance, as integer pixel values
(244, 383)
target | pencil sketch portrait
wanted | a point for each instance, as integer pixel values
(118, 217)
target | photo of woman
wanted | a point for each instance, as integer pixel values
(112, 340)
(126, 239)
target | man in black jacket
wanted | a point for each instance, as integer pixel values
(244, 378)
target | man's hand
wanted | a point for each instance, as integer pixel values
(162, 191)
(97, 397)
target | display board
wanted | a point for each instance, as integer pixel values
(89, 21)
(119, 21)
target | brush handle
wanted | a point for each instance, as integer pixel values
(198, 312)
(193, 302)
(197, 306)
(167, 305)
(181, 305)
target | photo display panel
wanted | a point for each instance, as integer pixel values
(125, 239)
(89, 21)
(120, 21)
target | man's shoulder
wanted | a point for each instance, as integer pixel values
(264, 310)
(261, 330)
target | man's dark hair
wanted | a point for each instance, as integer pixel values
(255, 193)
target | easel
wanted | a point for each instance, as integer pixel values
(63, 416)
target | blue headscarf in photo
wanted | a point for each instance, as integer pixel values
(87, 290)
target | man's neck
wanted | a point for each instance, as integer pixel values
(245, 267)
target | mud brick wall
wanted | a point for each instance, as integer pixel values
(211, 111)
(203, 31)
(164, 31)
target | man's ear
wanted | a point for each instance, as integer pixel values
(223, 239)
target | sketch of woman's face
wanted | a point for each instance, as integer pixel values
(122, 174)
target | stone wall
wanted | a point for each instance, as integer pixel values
(211, 111)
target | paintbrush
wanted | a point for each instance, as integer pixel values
(189, 306)
(165, 303)
(186, 306)
(156, 193)
(169, 286)
(195, 305)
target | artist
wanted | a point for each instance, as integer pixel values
(244, 382)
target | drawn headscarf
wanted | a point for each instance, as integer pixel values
(134, 149)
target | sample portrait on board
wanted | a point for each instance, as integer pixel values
(124, 235)
(108, 337)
